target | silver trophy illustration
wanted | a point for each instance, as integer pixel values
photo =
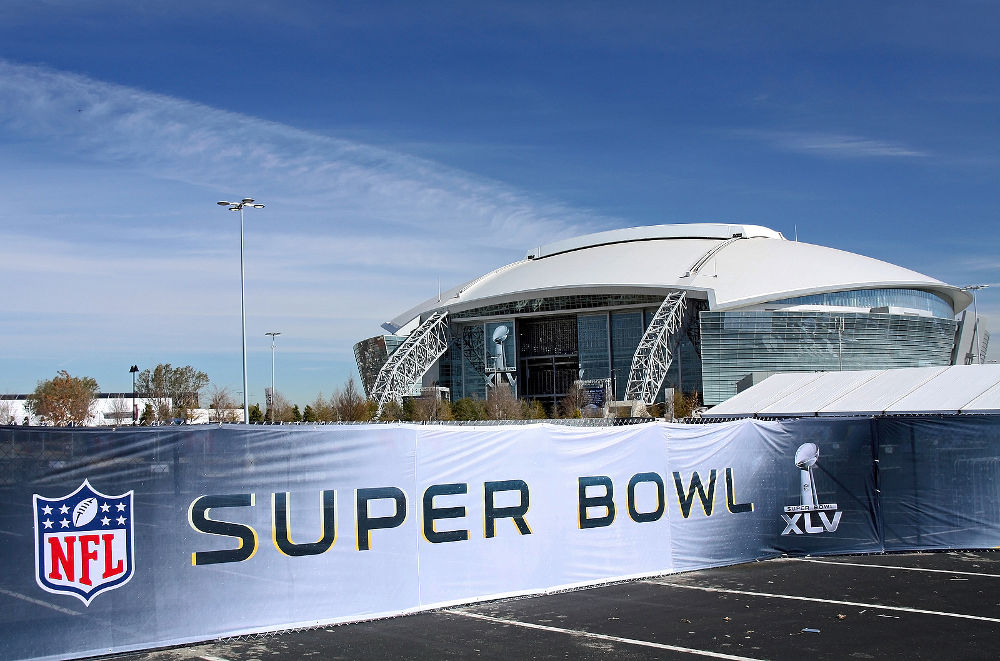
(811, 516)
(499, 369)
(805, 458)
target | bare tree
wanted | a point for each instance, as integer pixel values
(501, 404)
(430, 407)
(119, 411)
(571, 405)
(279, 409)
(7, 410)
(350, 405)
(685, 403)
(223, 405)
(322, 409)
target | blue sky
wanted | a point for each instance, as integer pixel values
(399, 143)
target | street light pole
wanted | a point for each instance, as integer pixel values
(135, 412)
(273, 334)
(238, 206)
(975, 312)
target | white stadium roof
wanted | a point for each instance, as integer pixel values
(731, 266)
(914, 390)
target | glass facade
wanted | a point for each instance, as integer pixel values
(547, 357)
(473, 364)
(594, 346)
(551, 351)
(912, 299)
(738, 343)
(626, 332)
(684, 373)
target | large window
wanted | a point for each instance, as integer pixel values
(626, 332)
(547, 357)
(595, 350)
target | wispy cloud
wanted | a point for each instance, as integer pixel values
(832, 145)
(184, 141)
(352, 234)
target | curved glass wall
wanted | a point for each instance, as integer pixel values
(738, 343)
(913, 299)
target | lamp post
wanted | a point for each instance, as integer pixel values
(238, 206)
(273, 334)
(975, 312)
(135, 411)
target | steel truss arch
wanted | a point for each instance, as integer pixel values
(654, 354)
(410, 361)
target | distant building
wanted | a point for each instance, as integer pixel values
(694, 307)
(109, 409)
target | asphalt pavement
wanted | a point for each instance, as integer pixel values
(942, 605)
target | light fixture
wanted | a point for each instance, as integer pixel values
(238, 206)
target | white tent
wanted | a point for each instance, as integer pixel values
(950, 390)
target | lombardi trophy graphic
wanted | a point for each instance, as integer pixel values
(500, 369)
(809, 516)
(805, 458)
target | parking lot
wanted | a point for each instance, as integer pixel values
(916, 605)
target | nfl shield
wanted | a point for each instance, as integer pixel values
(83, 542)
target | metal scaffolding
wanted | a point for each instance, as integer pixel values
(655, 351)
(410, 361)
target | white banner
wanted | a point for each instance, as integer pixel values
(526, 492)
(181, 535)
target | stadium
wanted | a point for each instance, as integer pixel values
(706, 308)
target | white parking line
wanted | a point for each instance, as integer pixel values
(600, 636)
(38, 602)
(939, 571)
(904, 609)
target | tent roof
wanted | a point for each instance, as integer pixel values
(913, 390)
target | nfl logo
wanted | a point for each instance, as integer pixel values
(83, 542)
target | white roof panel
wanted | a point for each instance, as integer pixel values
(988, 402)
(772, 389)
(912, 390)
(949, 391)
(875, 395)
(684, 231)
(813, 396)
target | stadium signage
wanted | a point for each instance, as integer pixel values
(83, 542)
(806, 458)
(595, 510)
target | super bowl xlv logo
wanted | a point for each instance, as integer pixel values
(811, 516)
(83, 542)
